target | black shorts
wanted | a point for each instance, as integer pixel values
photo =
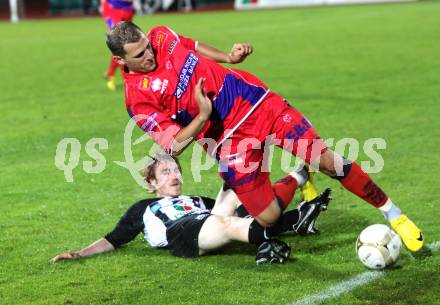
(183, 235)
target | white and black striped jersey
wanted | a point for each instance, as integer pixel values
(152, 216)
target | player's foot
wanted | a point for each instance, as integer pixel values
(308, 190)
(309, 212)
(411, 235)
(273, 251)
(110, 83)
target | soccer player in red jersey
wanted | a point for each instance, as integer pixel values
(114, 11)
(177, 91)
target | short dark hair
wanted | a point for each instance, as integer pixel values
(149, 172)
(120, 34)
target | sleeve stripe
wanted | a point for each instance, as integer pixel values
(174, 33)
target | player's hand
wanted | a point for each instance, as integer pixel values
(239, 52)
(204, 103)
(65, 256)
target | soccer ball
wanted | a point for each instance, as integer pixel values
(378, 246)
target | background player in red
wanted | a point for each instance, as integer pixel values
(176, 91)
(114, 11)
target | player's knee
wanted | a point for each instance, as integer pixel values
(328, 170)
(334, 165)
(214, 232)
(228, 226)
(231, 228)
(225, 222)
(330, 163)
(270, 215)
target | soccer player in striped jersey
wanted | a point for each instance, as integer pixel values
(186, 226)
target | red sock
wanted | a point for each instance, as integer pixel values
(359, 183)
(112, 68)
(284, 189)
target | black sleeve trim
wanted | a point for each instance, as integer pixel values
(209, 202)
(130, 224)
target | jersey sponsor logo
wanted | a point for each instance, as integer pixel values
(164, 86)
(169, 65)
(234, 159)
(169, 209)
(172, 46)
(156, 85)
(298, 130)
(150, 123)
(145, 83)
(182, 206)
(185, 74)
(161, 37)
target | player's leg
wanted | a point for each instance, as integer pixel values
(240, 166)
(243, 168)
(242, 163)
(218, 231)
(299, 137)
(284, 190)
(266, 202)
(259, 197)
(113, 65)
(309, 190)
(243, 171)
(110, 75)
(355, 180)
(226, 202)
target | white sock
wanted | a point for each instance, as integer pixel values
(390, 210)
(300, 176)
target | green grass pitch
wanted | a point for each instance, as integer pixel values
(364, 72)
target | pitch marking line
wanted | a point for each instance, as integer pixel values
(340, 288)
(348, 285)
(434, 245)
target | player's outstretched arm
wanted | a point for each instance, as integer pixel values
(238, 53)
(100, 246)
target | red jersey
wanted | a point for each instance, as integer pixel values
(163, 100)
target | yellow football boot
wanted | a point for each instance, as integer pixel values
(111, 83)
(411, 235)
(309, 191)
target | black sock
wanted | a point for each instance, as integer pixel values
(259, 234)
(288, 219)
(241, 211)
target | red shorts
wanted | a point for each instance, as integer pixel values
(243, 156)
(112, 15)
